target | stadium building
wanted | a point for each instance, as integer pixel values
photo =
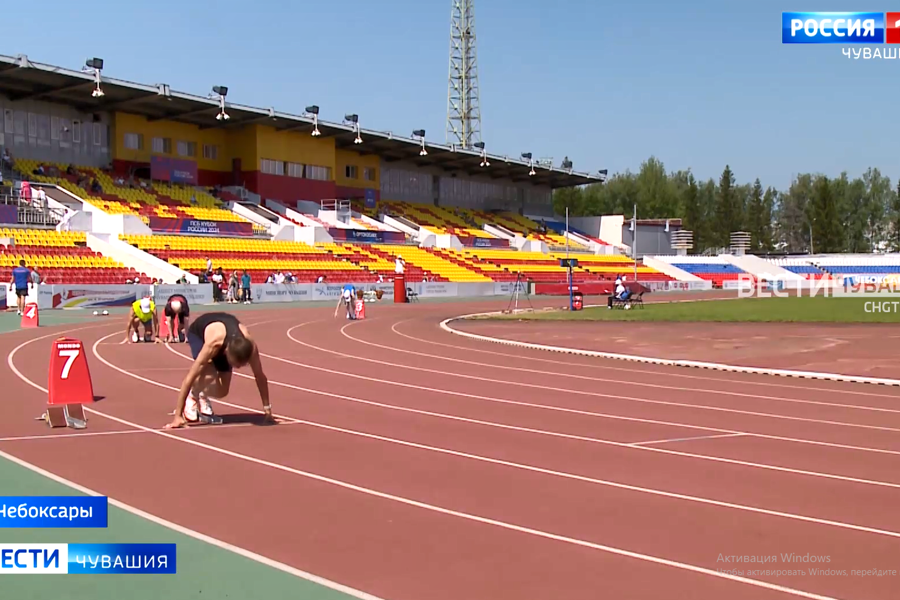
(108, 181)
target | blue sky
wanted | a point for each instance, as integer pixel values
(606, 83)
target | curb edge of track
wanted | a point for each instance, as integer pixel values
(663, 361)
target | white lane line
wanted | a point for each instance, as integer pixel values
(613, 381)
(666, 361)
(687, 439)
(153, 518)
(581, 438)
(91, 434)
(552, 407)
(521, 466)
(673, 374)
(463, 515)
(703, 407)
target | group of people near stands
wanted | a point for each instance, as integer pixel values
(219, 343)
(234, 288)
(622, 293)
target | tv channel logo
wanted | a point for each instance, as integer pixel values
(833, 27)
(892, 28)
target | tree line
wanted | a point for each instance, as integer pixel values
(815, 214)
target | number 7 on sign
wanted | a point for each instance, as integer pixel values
(70, 356)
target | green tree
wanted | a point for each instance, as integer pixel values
(704, 236)
(893, 221)
(655, 194)
(767, 237)
(875, 206)
(756, 224)
(571, 198)
(728, 209)
(824, 219)
(792, 226)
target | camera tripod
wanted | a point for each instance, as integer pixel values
(514, 295)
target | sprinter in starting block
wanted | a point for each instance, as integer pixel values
(219, 344)
(346, 300)
(143, 313)
(177, 312)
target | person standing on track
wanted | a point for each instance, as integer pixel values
(21, 278)
(177, 306)
(245, 288)
(219, 344)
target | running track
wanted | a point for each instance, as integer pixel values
(415, 464)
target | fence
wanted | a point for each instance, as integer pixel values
(106, 296)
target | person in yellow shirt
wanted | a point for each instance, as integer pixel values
(143, 312)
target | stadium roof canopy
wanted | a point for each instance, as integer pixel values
(22, 79)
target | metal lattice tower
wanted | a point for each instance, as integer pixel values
(463, 105)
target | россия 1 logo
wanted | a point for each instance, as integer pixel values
(832, 28)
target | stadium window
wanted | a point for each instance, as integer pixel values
(43, 127)
(318, 173)
(369, 173)
(351, 171)
(54, 128)
(271, 167)
(8, 121)
(134, 141)
(186, 148)
(32, 125)
(76, 132)
(210, 152)
(162, 145)
(294, 169)
(98, 133)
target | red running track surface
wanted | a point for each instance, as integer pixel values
(414, 464)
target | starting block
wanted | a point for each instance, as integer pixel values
(31, 316)
(70, 386)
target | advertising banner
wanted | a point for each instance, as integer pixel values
(366, 236)
(175, 170)
(434, 290)
(195, 294)
(483, 242)
(507, 288)
(370, 198)
(282, 292)
(88, 296)
(195, 227)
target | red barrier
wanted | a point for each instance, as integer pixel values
(70, 378)
(70, 385)
(399, 288)
(31, 316)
